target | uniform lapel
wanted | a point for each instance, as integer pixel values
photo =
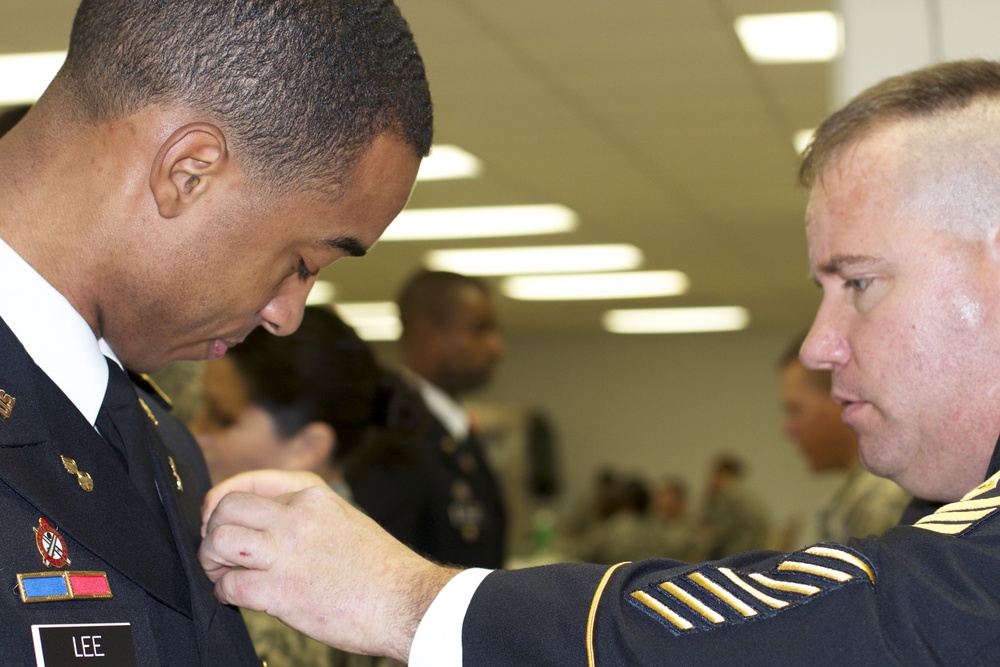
(112, 521)
(213, 623)
(202, 593)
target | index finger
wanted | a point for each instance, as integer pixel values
(266, 483)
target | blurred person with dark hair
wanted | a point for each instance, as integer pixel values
(862, 503)
(298, 402)
(301, 402)
(734, 517)
(437, 493)
(592, 508)
(668, 499)
(630, 531)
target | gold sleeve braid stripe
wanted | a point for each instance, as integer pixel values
(663, 610)
(785, 586)
(774, 603)
(816, 570)
(592, 617)
(840, 554)
(693, 602)
(722, 594)
(712, 597)
(955, 518)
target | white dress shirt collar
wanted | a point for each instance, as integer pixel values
(55, 335)
(452, 415)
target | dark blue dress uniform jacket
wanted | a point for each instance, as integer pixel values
(926, 594)
(156, 583)
(436, 495)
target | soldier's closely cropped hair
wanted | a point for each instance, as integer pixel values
(927, 92)
(300, 87)
(434, 294)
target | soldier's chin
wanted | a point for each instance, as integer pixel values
(216, 350)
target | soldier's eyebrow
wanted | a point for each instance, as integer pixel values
(347, 244)
(838, 264)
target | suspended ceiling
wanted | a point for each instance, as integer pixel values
(643, 116)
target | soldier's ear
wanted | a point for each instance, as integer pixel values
(186, 167)
(309, 449)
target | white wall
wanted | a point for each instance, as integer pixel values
(883, 38)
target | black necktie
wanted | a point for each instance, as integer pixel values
(125, 426)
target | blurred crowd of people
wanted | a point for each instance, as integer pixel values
(627, 517)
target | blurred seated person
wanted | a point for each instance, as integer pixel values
(734, 518)
(628, 533)
(600, 503)
(298, 402)
(669, 505)
(862, 504)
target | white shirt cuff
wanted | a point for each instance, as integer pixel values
(438, 640)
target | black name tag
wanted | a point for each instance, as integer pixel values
(108, 645)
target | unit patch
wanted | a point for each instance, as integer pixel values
(712, 597)
(51, 545)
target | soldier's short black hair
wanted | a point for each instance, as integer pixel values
(301, 87)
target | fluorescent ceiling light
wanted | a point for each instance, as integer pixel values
(535, 259)
(790, 38)
(372, 320)
(322, 293)
(447, 162)
(631, 285)
(372, 331)
(480, 222)
(801, 140)
(676, 320)
(25, 76)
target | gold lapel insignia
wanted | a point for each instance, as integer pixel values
(149, 413)
(177, 477)
(6, 404)
(156, 389)
(83, 478)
